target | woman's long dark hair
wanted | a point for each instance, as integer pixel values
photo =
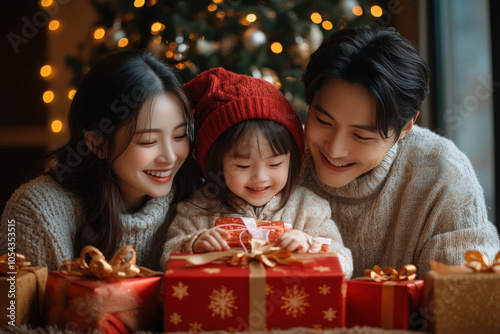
(108, 99)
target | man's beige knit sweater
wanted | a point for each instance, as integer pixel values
(422, 202)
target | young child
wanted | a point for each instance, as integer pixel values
(113, 183)
(249, 143)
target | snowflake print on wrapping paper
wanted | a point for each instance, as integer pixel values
(222, 302)
(195, 327)
(330, 314)
(180, 290)
(324, 289)
(269, 289)
(295, 301)
(175, 318)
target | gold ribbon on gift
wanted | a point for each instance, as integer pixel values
(121, 265)
(389, 278)
(266, 254)
(480, 264)
(260, 255)
(8, 266)
(476, 263)
(406, 273)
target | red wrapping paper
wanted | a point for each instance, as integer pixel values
(374, 304)
(217, 296)
(121, 306)
(235, 224)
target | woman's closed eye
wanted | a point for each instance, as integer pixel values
(243, 166)
(276, 164)
(181, 137)
(147, 142)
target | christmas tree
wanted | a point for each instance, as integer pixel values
(270, 39)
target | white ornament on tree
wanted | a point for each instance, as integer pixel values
(253, 39)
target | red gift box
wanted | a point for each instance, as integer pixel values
(388, 305)
(219, 296)
(120, 306)
(239, 236)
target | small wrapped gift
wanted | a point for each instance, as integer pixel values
(463, 299)
(384, 298)
(242, 230)
(22, 288)
(114, 297)
(269, 288)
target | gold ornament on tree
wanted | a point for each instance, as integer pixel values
(300, 51)
(226, 44)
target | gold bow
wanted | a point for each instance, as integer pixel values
(478, 262)
(117, 268)
(266, 254)
(406, 273)
(7, 266)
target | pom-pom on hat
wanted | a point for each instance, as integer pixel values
(221, 99)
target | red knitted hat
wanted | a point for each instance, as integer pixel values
(222, 99)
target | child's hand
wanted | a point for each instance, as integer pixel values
(293, 241)
(213, 239)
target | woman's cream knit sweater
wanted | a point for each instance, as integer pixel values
(47, 216)
(422, 202)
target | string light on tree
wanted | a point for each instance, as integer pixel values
(99, 33)
(276, 47)
(45, 71)
(54, 25)
(376, 11)
(71, 94)
(48, 96)
(56, 126)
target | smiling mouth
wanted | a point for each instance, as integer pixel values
(258, 189)
(157, 173)
(335, 164)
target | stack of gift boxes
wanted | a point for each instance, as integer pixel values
(259, 289)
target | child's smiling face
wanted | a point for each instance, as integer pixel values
(253, 171)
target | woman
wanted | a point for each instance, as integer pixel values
(399, 193)
(115, 180)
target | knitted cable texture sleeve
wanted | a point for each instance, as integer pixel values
(311, 214)
(188, 224)
(44, 216)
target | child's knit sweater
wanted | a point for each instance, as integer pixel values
(304, 210)
(47, 217)
(422, 202)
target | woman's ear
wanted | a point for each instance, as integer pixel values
(95, 143)
(408, 126)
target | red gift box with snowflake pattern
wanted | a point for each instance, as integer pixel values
(85, 305)
(220, 296)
